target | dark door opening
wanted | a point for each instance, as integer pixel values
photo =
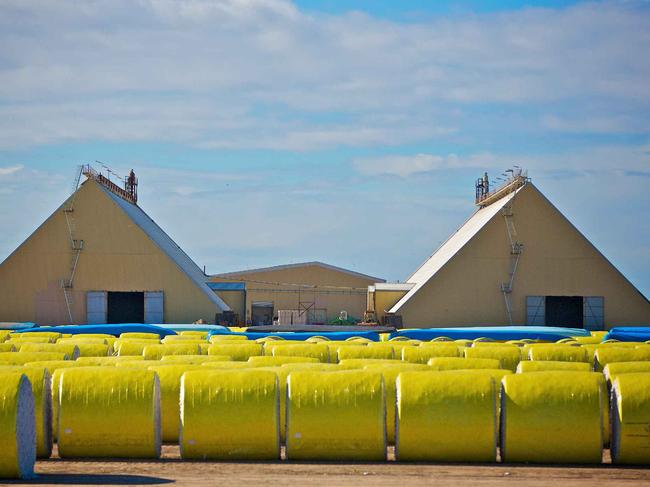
(125, 307)
(564, 311)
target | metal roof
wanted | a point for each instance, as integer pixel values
(300, 264)
(452, 246)
(167, 245)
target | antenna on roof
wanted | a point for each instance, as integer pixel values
(513, 179)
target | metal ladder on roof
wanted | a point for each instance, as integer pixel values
(516, 248)
(76, 246)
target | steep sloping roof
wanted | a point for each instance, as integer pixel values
(298, 265)
(452, 246)
(167, 245)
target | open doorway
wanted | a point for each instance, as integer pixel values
(125, 307)
(564, 311)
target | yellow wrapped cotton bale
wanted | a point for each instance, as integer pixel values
(81, 336)
(423, 353)
(26, 339)
(558, 353)
(616, 368)
(194, 333)
(346, 352)
(389, 372)
(39, 334)
(457, 363)
(53, 367)
(136, 364)
(156, 352)
(238, 351)
(132, 347)
(228, 338)
(542, 412)
(20, 358)
(227, 365)
(360, 363)
(140, 336)
(99, 341)
(109, 412)
(267, 361)
(359, 340)
(438, 412)
(508, 356)
(250, 401)
(17, 426)
(606, 356)
(93, 350)
(462, 342)
(71, 350)
(317, 339)
(590, 340)
(170, 387)
(317, 351)
(90, 361)
(4, 335)
(193, 359)
(631, 419)
(183, 338)
(396, 346)
(551, 365)
(39, 378)
(7, 347)
(336, 416)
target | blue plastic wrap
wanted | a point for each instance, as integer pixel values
(500, 333)
(629, 333)
(115, 330)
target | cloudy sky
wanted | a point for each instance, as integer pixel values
(269, 131)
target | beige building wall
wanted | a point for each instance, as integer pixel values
(335, 290)
(384, 301)
(556, 261)
(117, 256)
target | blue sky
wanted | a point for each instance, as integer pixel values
(268, 131)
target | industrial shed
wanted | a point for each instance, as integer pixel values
(517, 260)
(99, 258)
(303, 293)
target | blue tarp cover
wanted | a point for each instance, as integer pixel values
(301, 336)
(629, 333)
(501, 333)
(186, 327)
(115, 330)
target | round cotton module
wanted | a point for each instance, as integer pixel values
(238, 351)
(91, 361)
(228, 338)
(351, 352)
(230, 415)
(616, 368)
(183, 338)
(132, 347)
(336, 416)
(558, 353)
(156, 352)
(508, 356)
(360, 363)
(590, 340)
(437, 413)
(396, 346)
(17, 426)
(71, 350)
(53, 367)
(312, 350)
(317, 339)
(423, 353)
(93, 349)
(358, 339)
(631, 419)
(39, 378)
(136, 364)
(140, 335)
(109, 412)
(542, 413)
(193, 359)
(227, 365)
(267, 361)
(609, 355)
(75, 340)
(390, 371)
(27, 339)
(457, 363)
(40, 334)
(193, 333)
(20, 358)
(170, 387)
(551, 365)
(7, 347)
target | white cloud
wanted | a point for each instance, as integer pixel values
(263, 74)
(9, 170)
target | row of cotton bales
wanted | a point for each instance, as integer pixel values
(167, 383)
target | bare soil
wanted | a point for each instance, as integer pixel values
(171, 469)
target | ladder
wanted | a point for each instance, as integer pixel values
(76, 246)
(516, 248)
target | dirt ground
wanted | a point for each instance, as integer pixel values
(171, 469)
